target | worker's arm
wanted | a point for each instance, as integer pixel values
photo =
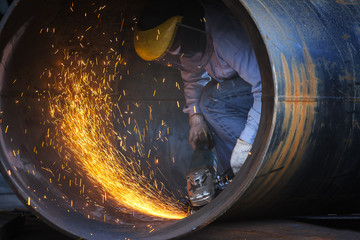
(199, 135)
(243, 60)
(193, 85)
(233, 47)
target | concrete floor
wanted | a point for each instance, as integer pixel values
(16, 223)
(29, 227)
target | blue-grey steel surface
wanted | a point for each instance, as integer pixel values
(312, 160)
(305, 158)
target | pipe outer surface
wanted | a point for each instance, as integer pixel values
(305, 158)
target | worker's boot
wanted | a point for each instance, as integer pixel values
(223, 180)
(200, 185)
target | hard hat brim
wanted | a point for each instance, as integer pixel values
(153, 43)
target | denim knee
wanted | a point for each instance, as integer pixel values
(206, 99)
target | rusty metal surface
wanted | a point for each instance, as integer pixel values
(305, 156)
(311, 162)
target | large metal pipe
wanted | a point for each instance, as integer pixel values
(305, 156)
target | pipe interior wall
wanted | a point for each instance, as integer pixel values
(304, 157)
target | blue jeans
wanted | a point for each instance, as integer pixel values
(225, 107)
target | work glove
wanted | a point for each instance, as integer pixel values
(240, 153)
(199, 135)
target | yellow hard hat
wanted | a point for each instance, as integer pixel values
(152, 44)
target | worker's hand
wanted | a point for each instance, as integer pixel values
(199, 136)
(240, 153)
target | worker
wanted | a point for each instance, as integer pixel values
(222, 83)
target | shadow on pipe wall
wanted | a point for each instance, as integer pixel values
(78, 106)
(75, 96)
(9, 201)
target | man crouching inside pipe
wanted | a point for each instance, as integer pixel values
(222, 83)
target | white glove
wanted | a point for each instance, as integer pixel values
(240, 153)
(199, 135)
